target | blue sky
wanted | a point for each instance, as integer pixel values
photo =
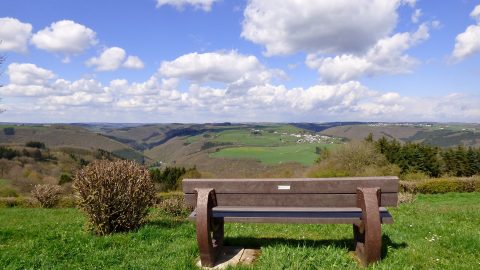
(258, 60)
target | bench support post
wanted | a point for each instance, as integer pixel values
(210, 231)
(368, 234)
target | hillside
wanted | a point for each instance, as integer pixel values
(232, 150)
(66, 136)
(443, 135)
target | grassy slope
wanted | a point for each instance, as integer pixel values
(268, 148)
(61, 136)
(359, 132)
(435, 232)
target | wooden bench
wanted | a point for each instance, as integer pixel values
(359, 201)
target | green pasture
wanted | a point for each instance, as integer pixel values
(300, 153)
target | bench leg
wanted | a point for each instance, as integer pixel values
(210, 231)
(368, 234)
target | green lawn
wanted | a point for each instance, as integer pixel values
(435, 232)
(244, 137)
(301, 153)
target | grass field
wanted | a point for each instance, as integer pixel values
(301, 153)
(435, 232)
(244, 136)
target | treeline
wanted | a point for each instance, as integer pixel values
(430, 160)
(36, 154)
(170, 177)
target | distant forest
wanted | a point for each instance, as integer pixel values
(430, 160)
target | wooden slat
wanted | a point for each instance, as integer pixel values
(239, 209)
(332, 216)
(296, 185)
(292, 200)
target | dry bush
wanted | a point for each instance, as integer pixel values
(406, 198)
(115, 195)
(47, 195)
(173, 204)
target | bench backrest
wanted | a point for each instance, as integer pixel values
(292, 192)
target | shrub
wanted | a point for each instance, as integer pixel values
(115, 195)
(26, 202)
(442, 185)
(173, 205)
(413, 176)
(47, 195)
(64, 178)
(169, 178)
(438, 186)
(9, 131)
(33, 144)
(353, 159)
(406, 198)
(6, 191)
(67, 202)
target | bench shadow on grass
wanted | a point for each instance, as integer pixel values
(345, 243)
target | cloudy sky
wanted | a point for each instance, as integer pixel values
(225, 60)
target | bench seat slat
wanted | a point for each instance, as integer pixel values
(292, 200)
(313, 215)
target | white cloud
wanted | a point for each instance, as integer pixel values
(341, 26)
(14, 35)
(468, 42)
(113, 58)
(206, 5)
(416, 15)
(386, 56)
(133, 62)
(28, 74)
(476, 13)
(110, 59)
(65, 37)
(77, 99)
(27, 80)
(223, 67)
(168, 99)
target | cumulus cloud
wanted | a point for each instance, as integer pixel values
(113, 58)
(205, 5)
(28, 74)
(14, 35)
(212, 66)
(27, 80)
(386, 56)
(65, 37)
(77, 99)
(476, 13)
(468, 42)
(160, 100)
(343, 26)
(416, 15)
(133, 62)
(239, 72)
(110, 59)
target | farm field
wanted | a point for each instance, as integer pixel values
(300, 153)
(434, 232)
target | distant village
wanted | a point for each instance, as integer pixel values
(302, 137)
